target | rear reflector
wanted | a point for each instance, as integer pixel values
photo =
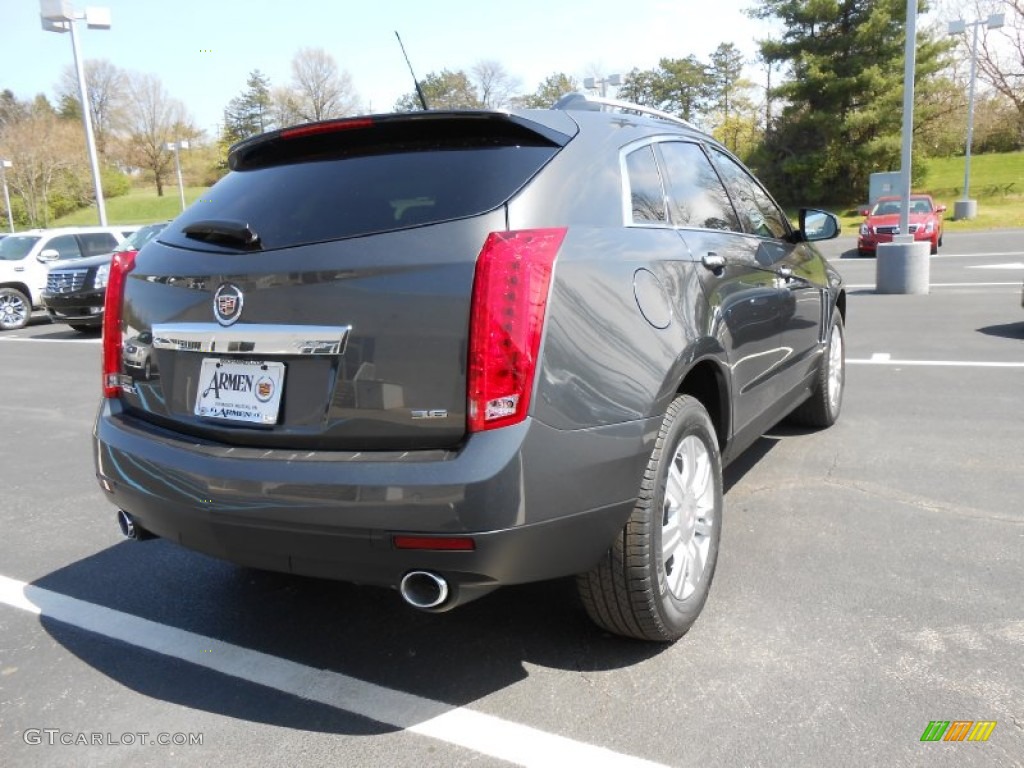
(510, 296)
(447, 543)
(331, 127)
(120, 266)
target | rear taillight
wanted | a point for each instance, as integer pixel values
(333, 126)
(120, 266)
(510, 296)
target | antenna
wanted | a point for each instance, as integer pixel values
(419, 91)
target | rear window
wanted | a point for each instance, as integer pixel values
(309, 191)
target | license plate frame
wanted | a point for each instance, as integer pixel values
(240, 391)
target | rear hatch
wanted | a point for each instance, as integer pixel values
(318, 297)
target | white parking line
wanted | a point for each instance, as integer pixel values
(1014, 265)
(883, 359)
(464, 727)
(7, 337)
(1016, 284)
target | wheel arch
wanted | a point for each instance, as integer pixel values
(18, 286)
(706, 382)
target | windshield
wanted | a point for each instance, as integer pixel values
(140, 237)
(889, 207)
(16, 247)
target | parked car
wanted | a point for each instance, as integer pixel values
(75, 292)
(26, 256)
(883, 221)
(447, 351)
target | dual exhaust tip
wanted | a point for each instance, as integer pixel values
(420, 589)
(131, 529)
(424, 590)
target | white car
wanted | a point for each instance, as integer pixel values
(25, 259)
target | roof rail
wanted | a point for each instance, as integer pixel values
(585, 101)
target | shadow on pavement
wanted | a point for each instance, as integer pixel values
(364, 632)
(1006, 331)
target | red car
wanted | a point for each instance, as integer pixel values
(883, 221)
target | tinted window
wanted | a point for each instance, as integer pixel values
(758, 213)
(696, 196)
(647, 198)
(66, 247)
(315, 200)
(95, 243)
(140, 237)
(16, 247)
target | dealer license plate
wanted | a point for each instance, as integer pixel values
(240, 390)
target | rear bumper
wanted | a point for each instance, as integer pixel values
(83, 308)
(870, 243)
(539, 503)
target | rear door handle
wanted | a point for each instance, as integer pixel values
(713, 261)
(786, 273)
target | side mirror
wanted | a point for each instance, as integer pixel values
(940, 209)
(818, 225)
(48, 254)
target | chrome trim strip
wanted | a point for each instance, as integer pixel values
(254, 339)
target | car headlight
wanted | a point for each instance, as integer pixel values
(864, 230)
(929, 227)
(102, 275)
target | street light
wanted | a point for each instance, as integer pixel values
(602, 83)
(174, 146)
(967, 208)
(60, 16)
(4, 165)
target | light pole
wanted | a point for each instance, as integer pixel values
(602, 83)
(967, 208)
(175, 146)
(4, 165)
(60, 16)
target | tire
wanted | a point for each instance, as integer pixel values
(647, 587)
(935, 247)
(15, 309)
(822, 408)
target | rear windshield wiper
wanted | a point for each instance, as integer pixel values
(224, 232)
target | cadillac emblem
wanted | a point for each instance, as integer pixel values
(227, 303)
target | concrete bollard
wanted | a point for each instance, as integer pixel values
(965, 209)
(903, 267)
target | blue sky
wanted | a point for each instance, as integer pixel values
(203, 50)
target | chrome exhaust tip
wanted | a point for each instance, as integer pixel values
(423, 589)
(130, 529)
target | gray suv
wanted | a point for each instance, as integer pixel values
(447, 351)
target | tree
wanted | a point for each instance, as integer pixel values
(284, 107)
(11, 109)
(321, 90)
(494, 85)
(731, 115)
(48, 172)
(154, 119)
(550, 90)
(843, 114)
(249, 113)
(678, 86)
(442, 90)
(1001, 54)
(106, 84)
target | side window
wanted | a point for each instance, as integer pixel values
(647, 197)
(93, 244)
(66, 247)
(696, 196)
(757, 211)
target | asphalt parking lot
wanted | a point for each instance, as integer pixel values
(870, 582)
